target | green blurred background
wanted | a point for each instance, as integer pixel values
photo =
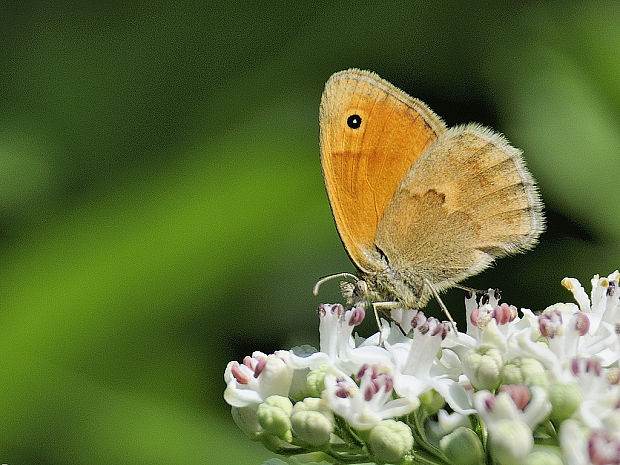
(162, 209)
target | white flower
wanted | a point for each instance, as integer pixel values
(586, 331)
(566, 331)
(337, 346)
(600, 394)
(403, 318)
(605, 297)
(581, 446)
(446, 423)
(475, 311)
(603, 310)
(364, 406)
(259, 377)
(510, 417)
(604, 304)
(419, 369)
(491, 325)
(513, 403)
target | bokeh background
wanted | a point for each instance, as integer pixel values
(162, 209)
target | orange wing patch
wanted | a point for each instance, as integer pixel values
(363, 166)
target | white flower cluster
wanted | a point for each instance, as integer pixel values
(530, 389)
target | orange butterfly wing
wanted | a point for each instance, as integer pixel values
(363, 166)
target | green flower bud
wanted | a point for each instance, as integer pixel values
(312, 421)
(483, 367)
(544, 456)
(310, 404)
(528, 371)
(565, 399)
(540, 379)
(462, 447)
(512, 374)
(432, 401)
(531, 368)
(315, 381)
(390, 441)
(312, 427)
(274, 416)
(510, 442)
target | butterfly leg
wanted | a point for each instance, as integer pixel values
(471, 290)
(376, 308)
(441, 304)
(485, 294)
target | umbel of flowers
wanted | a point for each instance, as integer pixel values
(514, 388)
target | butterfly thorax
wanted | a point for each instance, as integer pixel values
(388, 285)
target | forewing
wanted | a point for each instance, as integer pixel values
(364, 166)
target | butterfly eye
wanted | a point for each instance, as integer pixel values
(354, 121)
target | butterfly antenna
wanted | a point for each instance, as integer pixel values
(315, 289)
(441, 304)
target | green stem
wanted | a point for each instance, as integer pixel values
(547, 428)
(344, 432)
(478, 427)
(350, 459)
(289, 451)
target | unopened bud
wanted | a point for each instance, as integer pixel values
(528, 371)
(483, 367)
(532, 369)
(390, 441)
(432, 401)
(462, 447)
(274, 416)
(510, 442)
(565, 400)
(546, 456)
(312, 421)
(315, 381)
(512, 374)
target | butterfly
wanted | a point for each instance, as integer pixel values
(418, 206)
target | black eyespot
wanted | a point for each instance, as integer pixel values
(354, 121)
